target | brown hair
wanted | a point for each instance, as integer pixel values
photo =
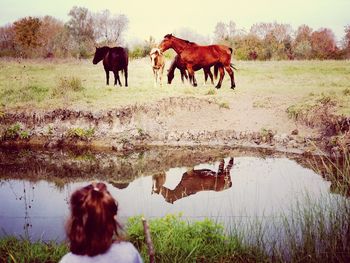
(92, 223)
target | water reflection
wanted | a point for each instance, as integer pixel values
(35, 186)
(194, 181)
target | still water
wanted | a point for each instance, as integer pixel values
(225, 185)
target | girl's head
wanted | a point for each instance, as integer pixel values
(92, 223)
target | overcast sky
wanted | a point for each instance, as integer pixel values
(159, 17)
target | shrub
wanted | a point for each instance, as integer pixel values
(81, 133)
(67, 84)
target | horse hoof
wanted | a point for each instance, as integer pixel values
(217, 87)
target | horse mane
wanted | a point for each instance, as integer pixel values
(187, 41)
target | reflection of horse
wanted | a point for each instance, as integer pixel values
(177, 63)
(114, 59)
(196, 56)
(195, 181)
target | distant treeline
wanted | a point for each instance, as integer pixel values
(47, 37)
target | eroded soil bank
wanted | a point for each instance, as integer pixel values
(176, 121)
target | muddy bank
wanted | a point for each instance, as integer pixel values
(132, 127)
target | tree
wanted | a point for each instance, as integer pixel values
(7, 36)
(191, 35)
(220, 32)
(27, 35)
(323, 44)
(276, 39)
(109, 29)
(80, 28)
(346, 41)
(302, 42)
(225, 32)
(248, 47)
(50, 33)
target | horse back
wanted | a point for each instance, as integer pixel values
(116, 58)
(207, 55)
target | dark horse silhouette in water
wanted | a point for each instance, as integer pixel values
(194, 181)
(114, 59)
(196, 56)
(177, 63)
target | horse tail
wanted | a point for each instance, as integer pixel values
(216, 69)
(232, 66)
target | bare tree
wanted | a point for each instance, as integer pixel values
(50, 31)
(221, 31)
(191, 35)
(7, 36)
(109, 29)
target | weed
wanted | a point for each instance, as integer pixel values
(81, 133)
(15, 131)
(346, 92)
(67, 84)
(224, 105)
(211, 92)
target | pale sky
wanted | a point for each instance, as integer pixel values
(160, 17)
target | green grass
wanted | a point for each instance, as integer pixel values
(79, 84)
(22, 250)
(177, 240)
(80, 133)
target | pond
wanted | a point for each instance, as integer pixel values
(227, 185)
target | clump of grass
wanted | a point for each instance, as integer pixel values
(67, 84)
(224, 105)
(22, 250)
(211, 91)
(81, 133)
(15, 131)
(335, 169)
(346, 92)
(176, 240)
(317, 231)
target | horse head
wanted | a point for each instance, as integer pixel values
(166, 43)
(99, 54)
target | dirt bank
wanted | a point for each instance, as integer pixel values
(174, 121)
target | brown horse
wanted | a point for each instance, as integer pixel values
(177, 63)
(196, 56)
(195, 181)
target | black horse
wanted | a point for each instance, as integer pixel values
(177, 63)
(114, 59)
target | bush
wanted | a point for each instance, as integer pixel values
(67, 84)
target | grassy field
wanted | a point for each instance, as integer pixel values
(79, 84)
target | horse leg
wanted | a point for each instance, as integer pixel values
(126, 76)
(230, 72)
(116, 77)
(211, 76)
(161, 75)
(155, 75)
(205, 76)
(222, 73)
(191, 75)
(183, 74)
(107, 77)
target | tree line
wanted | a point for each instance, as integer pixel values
(33, 37)
(265, 41)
